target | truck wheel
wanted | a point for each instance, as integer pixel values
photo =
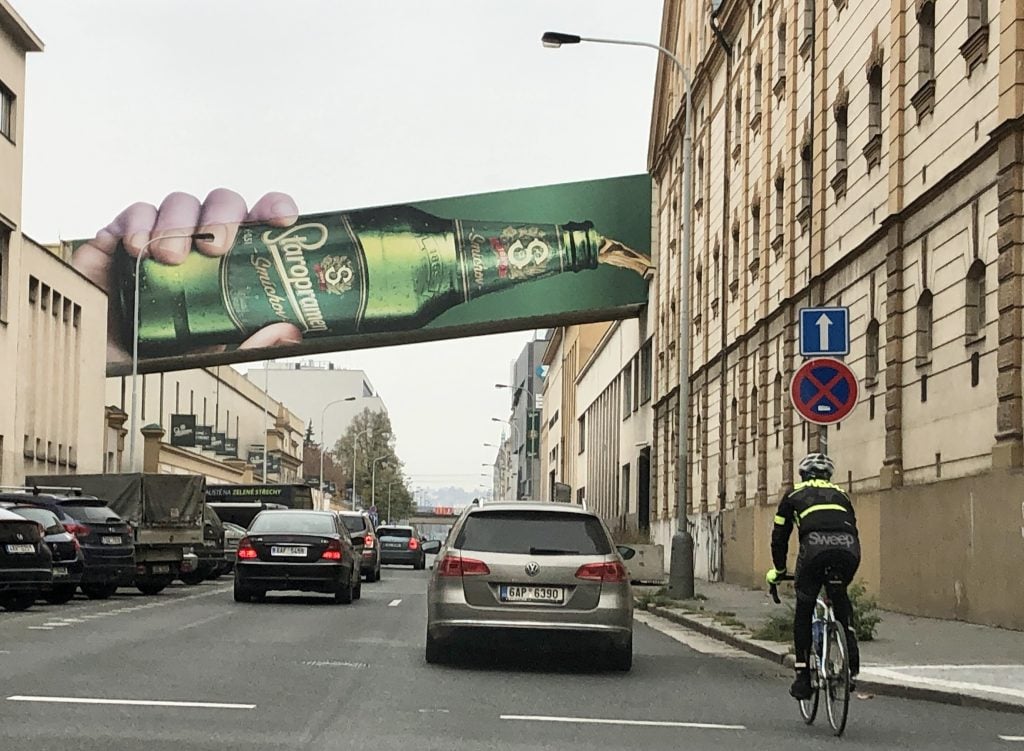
(152, 585)
(60, 594)
(99, 591)
(192, 578)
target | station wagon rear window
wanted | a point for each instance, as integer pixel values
(533, 533)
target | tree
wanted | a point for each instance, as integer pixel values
(333, 470)
(309, 435)
(371, 437)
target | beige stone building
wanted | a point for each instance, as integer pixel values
(219, 398)
(865, 154)
(52, 320)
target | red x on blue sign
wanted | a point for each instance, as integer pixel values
(823, 390)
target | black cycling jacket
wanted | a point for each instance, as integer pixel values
(813, 506)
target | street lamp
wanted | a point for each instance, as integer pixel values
(355, 443)
(206, 236)
(681, 566)
(323, 414)
(373, 482)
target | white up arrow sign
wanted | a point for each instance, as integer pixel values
(823, 323)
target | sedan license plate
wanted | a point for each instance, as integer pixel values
(161, 568)
(59, 571)
(111, 540)
(288, 551)
(552, 595)
(21, 549)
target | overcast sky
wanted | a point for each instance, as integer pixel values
(340, 103)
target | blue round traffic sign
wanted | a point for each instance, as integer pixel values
(823, 390)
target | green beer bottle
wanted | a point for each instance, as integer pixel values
(387, 269)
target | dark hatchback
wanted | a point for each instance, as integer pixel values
(68, 559)
(364, 539)
(401, 545)
(107, 540)
(308, 551)
(26, 564)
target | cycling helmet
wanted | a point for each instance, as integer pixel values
(816, 467)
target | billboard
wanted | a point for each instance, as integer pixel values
(221, 283)
(183, 430)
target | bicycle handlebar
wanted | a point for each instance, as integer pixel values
(774, 589)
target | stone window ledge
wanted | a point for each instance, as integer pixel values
(780, 86)
(777, 244)
(755, 122)
(975, 49)
(873, 151)
(839, 183)
(924, 99)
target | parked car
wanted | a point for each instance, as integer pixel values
(530, 569)
(68, 559)
(400, 544)
(210, 554)
(309, 551)
(107, 540)
(364, 538)
(232, 535)
(26, 564)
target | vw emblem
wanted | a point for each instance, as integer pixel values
(532, 568)
(19, 535)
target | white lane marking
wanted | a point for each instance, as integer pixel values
(394, 603)
(72, 620)
(645, 723)
(683, 635)
(1012, 738)
(57, 624)
(959, 666)
(435, 711)
(940, 683)
(40, 628)
(333, 664)
(130, 702)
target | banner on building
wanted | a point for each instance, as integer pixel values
(533, 433)
(255, 455)
(231, 447)
(183, 430)
(204, 434)
(437, 269)
(217, 443)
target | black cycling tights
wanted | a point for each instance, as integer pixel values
(802, 625)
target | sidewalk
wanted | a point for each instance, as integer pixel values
(923, 658)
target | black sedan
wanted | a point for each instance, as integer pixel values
(26, 564)
(309, 551)
(68, 559)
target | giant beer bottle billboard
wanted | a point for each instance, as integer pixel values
(219, 283)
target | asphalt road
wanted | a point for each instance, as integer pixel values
(300, 673)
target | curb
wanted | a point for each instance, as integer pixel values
(781, 655)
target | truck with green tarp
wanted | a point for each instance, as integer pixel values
(166, 513)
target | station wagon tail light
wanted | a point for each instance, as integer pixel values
(333, 552)
(612, 571)
(456, 565)
(414, 544)
(246, 552)
(369, 541)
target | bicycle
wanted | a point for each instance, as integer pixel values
(829, 661)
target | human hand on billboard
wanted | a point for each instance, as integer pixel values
(163, 234)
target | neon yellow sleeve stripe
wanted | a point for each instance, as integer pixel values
(823, 507)
(780, 520)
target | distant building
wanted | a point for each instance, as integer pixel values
(308, 387)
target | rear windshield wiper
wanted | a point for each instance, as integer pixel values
(552, 551)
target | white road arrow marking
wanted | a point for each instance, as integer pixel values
(823, 324)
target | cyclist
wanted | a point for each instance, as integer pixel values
(827, 529)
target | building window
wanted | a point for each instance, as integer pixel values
(699, 434)
(734, 432)
(924, 387)
(781, 55)
(7, 112)
(808, 39)
(754, 422)
(780, 185)
(975, 49)
(777, 401)
(871, 407)
(924, 328)
(840, 112)
(627, 391)
(581, 497)
(646, 355)
(871, 352)
(806, 181)
(583, 434)
(626, 483)
(735, 272)
(873, 148)
(975, 369)
(755, 229)
(975, 306)
(758, 88)
(924, 99)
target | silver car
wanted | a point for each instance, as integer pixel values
(530, 568)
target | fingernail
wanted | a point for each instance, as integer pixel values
(136, 241)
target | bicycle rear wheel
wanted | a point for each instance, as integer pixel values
(837, 674)
(809, 707)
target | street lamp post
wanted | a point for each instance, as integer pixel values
(681, 566)
(323, 415)
(206, 236)
(373, 481)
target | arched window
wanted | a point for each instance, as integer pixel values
(871, 351)
(975, 306)
(924, 328)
